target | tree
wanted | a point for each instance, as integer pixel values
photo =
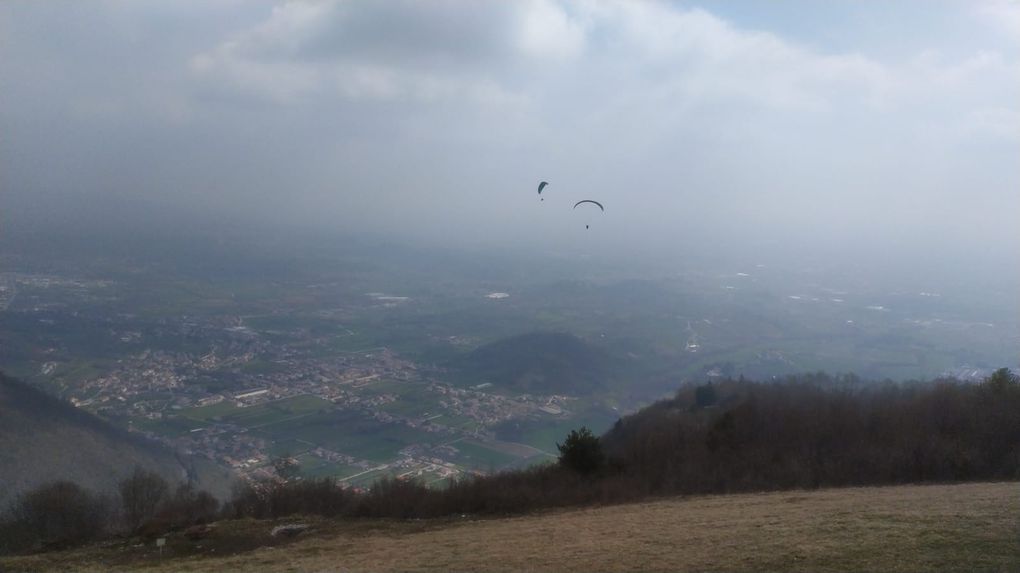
(58, 514)
(581, 452)
(189, 506)
(141, 495)
(1002, 379)
(705, 396)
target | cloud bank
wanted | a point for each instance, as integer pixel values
(436, 120)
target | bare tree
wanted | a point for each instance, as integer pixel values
(141, 495)
(58, 514)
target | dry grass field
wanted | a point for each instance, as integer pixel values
(969, 527)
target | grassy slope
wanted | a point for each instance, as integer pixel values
(965, 527)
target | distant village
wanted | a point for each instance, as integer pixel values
(162, 387)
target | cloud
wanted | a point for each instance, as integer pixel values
(607, 55)
(696, 56)
(1003, 15)
(548, 32)
(430, 117)
(391, 50)
(1000, 122)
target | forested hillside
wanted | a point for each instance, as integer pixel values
(540, 362)
(821, 431)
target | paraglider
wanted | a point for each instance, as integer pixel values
(589, 201)
(584, 212)
(596, 203)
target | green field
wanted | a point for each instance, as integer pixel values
(347, 432)
(381, 386)
(295, 425)
(456, 422)
(367, 479)
(210, 412)
(545, 434)
(480, 457)
(260, 415)
(414, 401)
(288, 448)
(313, 467)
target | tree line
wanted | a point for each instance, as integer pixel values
(61, 513)
(822, 431)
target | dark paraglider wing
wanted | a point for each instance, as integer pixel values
(542, 186)
(589, 201)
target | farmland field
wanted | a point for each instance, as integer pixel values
(351, 433)
(263, 414)
(479, 456)
(204, 413)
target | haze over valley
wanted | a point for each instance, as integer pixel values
(364, 359)
(451, 260)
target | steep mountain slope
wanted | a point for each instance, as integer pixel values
(43, 438)
(540, 363)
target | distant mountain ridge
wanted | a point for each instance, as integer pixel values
(43, 438)
(539, 363)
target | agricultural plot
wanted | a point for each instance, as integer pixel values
(414, 401)
(314, 467)
(211, 412)
(348, 432)
(456, 422)
(303, 404)
(257, 416)
(288, 448)
(263, 414)
(380, 386)
(539, 459)
(545, 434)
(478, 456)
(367, 478)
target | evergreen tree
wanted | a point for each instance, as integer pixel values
(581, 452)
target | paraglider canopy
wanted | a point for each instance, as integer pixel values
(590, 201)
(542, 186)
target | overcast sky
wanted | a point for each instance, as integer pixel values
(891, 127)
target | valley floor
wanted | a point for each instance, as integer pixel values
(966, 527)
